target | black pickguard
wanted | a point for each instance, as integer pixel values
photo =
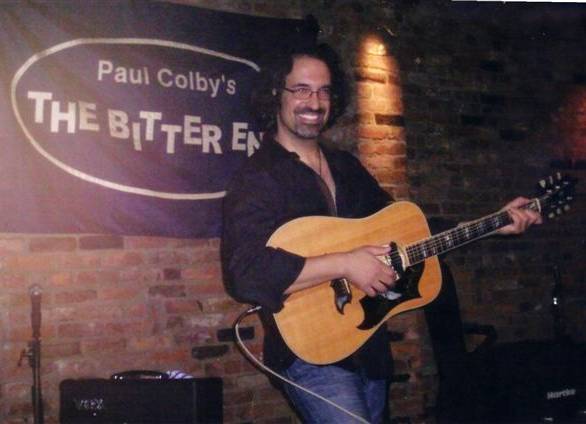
(376, 308)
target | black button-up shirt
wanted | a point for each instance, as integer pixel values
(273, 188)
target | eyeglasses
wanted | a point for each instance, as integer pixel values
(304, 93)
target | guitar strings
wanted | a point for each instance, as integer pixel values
(460, 235)
(263, 367)
(455, 237)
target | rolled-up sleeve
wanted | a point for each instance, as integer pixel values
(253, 272)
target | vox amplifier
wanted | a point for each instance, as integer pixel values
(135, 401)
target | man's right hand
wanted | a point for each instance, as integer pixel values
(362, 266)
(364, 269)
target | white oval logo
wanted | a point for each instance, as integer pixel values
(166, 79)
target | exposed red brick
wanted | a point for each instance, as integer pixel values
(213, 243)
(381, 147)
(373, 105)
(79, 330)
(126, 328)
(175, 323)
(77, 296)
(367, 74)
(384, 63)
(33, 263)
(136, 275)
(372, 131)
(89, 312)
(380, 163)
(149, 343)
(364, 90)
(103, 346)
(239, 397)
(100, 242)
(61, 279)
(9, 246)
(171, 258)
(263, 410)
(23, 332)
(61, 350)
(176, 356)
(12, 281)
(206, 288)
(213, 369)
(18, 315)
(53, 244)
(81, 367)
(94, 276)
(387, 91)
(80, 260)
(232, 367)
(203, 272)
(120, 259)
(17, 300)
(179, 306)
(171, 274)
(222, 304)
(147, 242)
(168, 291)
(121, 293)
(237, 413)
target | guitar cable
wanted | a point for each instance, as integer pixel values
(263, 367)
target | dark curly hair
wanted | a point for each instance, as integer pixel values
(266, 101)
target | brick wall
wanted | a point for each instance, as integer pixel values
(458, 113)
(484, 92)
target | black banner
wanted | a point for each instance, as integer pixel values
(126, 117)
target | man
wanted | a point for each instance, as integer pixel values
(294, 175)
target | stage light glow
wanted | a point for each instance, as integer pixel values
(381, 132)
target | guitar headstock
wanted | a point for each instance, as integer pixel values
(556, 194)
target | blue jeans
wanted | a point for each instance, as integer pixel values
(351, 390)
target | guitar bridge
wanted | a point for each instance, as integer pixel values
(342, 293)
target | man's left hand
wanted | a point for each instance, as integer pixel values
(522, 218)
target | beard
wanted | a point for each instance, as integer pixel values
(303, 127)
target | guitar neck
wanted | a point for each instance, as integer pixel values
(462, 234)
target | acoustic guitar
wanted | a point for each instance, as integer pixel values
(330, 321)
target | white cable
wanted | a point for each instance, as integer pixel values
(263, 367)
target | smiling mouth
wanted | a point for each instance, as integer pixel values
(310, 118)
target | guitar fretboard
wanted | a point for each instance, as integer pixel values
(462, 234)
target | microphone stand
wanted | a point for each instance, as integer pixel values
(33, 353)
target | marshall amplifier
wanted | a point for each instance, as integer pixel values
(136, 401)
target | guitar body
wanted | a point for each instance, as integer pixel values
(310, 323)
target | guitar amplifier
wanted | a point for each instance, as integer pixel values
(134, 401)
(537, 382)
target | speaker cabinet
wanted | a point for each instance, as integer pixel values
(167, 401)
(538, 382)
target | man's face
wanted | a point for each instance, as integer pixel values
(304, 119)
